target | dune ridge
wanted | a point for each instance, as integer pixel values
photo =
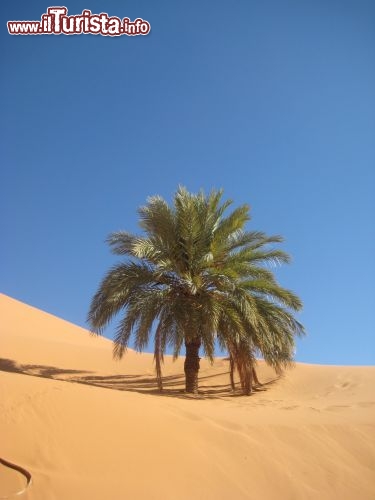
(88, 427)
(10, 470)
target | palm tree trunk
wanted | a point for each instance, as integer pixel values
(231, 372)
(255, 377)
(191, 365)
(159, 358)
(248, 386)
(245, 371)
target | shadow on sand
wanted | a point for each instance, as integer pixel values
(172, 384)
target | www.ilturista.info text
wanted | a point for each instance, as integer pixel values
(56, 22)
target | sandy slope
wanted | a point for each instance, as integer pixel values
(87, 427)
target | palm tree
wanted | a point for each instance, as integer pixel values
(194, 276)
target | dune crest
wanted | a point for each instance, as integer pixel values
(87, 427)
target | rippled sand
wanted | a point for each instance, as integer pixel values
(86, 427)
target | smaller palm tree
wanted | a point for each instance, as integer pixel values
(196, 276)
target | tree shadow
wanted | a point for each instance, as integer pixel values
(9, 365)
(173, 385)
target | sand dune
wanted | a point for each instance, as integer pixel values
(87, 427)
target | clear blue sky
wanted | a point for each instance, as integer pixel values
(274, 101)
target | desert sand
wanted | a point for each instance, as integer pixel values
(87, 427)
